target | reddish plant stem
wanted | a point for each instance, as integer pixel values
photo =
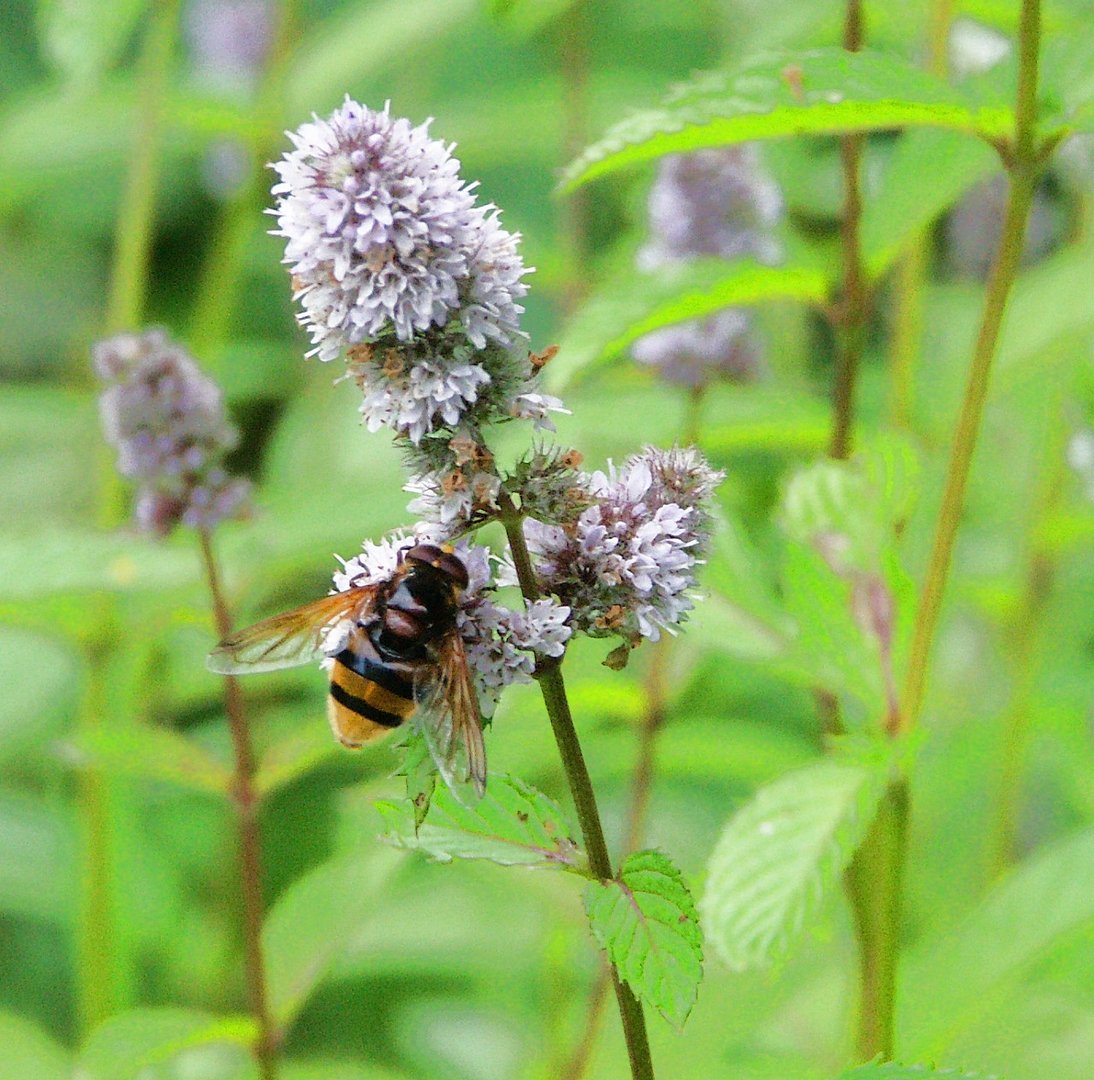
(246, 802)
(853, 310)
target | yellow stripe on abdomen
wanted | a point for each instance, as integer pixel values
(360, 710)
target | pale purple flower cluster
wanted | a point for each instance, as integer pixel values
(710, 203)
(229, 40)
(627, 565)
(502, 644)
(701, 351)
(401, 272)
(168, 423)
(386, 242)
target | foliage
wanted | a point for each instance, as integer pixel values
(120, 916)
(781, 855)
(646, 922)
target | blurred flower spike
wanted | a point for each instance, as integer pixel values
(168, 423)
(712, 203)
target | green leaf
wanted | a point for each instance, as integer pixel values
(33, 709)
(1068, 83)
(928, 171)
(38, 864)
(152, 753)
(831, 649)
(890, 1071)
(83, 38)
(843, 583)
(162, 1044)
(780, 856)
(420, 771)
(1039, 326)
(512, 824)
(525, 18)
(29, 1052)
(635, 303)
(849, 510)
(312, 921)
(293, 756)
(823, 91)
(647, 924)
(952, 982)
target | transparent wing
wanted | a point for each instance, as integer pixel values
(448, 716)
(292, 638)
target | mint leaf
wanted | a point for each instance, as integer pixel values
(779, 857)
(647, 923)
(634, 303)
(512, 824)
(819, 92)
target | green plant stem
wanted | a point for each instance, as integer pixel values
(853, 310)
(99, 964)
(641, 785)
(553, 689)
(133, 236)
(693, 415)
(1023, 181)
(874, 881)
(102, 966)
(875, 876)
(246, 801)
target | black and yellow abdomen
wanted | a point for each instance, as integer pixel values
(368, 696)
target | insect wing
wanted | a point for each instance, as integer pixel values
(449, 719)
(292, 638)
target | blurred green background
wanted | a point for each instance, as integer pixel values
(472, 971)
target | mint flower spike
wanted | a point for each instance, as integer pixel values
(627, 566)
(502, 645)
(710, 203)
(399, 271)
(385, 242)
(168, 423)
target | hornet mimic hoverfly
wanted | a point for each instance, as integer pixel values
(403, 656)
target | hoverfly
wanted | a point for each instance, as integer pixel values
(403, 656)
